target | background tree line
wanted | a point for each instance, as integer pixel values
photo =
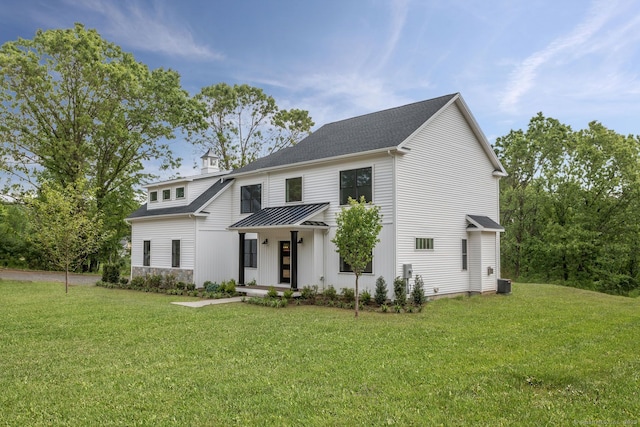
(80, 119)
(571, 206)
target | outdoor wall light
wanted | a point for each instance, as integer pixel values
(265, 242)
(300, 241)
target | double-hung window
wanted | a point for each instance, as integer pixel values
(250, 198)
(464, 254)
(146, 253)
(175, 253)
(356, 183)
(251, 253)
(293, 189)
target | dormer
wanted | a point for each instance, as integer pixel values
(210, 163)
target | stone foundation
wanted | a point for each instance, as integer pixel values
(181, 274)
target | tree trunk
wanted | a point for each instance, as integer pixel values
(66, 279)
(357, 298)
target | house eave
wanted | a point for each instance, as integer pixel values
(385, 150)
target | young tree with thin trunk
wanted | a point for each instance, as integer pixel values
(65, 224)
(359, 225)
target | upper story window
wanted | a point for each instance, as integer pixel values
(153, 196)
(166, 194)
(180, 193)
(250, 198)
(293, 189)
(355, 183)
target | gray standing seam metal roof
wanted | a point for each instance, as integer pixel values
(485, 222)
(382, 129)
(186, 209)
(281, 215)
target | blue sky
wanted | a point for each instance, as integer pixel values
(574, 60)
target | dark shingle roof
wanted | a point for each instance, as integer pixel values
(383, 129)
(282, 216)
(187, 209)
(483, 222)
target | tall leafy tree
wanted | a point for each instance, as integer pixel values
(570, 205)
(68, 228)
(241, 123)
(74, 106)
(358, 227)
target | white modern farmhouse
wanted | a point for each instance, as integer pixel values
(427, 165)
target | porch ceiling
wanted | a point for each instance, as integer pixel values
(283, 217)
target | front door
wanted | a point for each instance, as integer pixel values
(285, 262)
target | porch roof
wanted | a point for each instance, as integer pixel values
(283, 217)
(482, 223)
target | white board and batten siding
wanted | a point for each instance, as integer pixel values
(160, 232)
(216, 247)
(445, 176)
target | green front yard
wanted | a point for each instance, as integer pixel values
(544, 355)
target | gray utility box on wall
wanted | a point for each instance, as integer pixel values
(504, 286)
(407, 271)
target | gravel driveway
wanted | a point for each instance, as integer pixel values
(48, 276)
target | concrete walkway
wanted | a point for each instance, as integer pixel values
(196, 304)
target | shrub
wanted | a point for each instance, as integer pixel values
(288, 294)
(309, 292)
(169, 282)
(348, 294)
(417, 294)
(384, 308)
(381, 291)
(272, 293)
(252, 283)
(191, 286)
(365, 297)
(138, 282)
(397, 308)
(211, 287)
(330, 293)
(124, 280)
(231, 287)
(399, 291)
(154, 281)
(111, 273)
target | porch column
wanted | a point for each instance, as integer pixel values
(293, 268)
(241, 259)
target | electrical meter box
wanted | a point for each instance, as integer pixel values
(407, 271)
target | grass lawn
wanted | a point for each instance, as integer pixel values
(544, 355)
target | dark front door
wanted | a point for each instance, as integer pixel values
(285, 262)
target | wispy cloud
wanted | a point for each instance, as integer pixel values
(577, 43)
(146, 28)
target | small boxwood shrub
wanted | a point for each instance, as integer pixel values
(330, 293)
(348, 294)
(399, 291)
(365, 297)
(381, 291)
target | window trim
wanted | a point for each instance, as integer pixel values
(357, 194)
(175, 254)
(183, 192)
(286, 190)
(251, 199)
(252, 253)
(146, 253)
(424, 244)
(153, 196)
(163, 193)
